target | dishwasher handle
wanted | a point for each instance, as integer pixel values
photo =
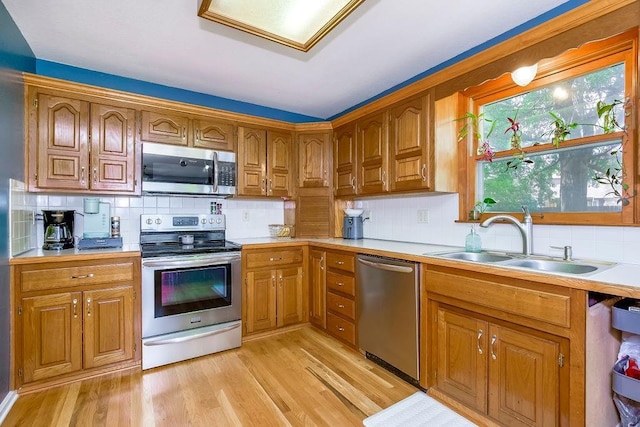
(388, 267)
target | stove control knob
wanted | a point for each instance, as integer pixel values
(158, 221)
(203, 221)
(218, 220)
(149, 221)
(211, 221)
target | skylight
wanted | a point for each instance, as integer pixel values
(299, 24)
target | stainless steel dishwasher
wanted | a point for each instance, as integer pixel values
(388, 313)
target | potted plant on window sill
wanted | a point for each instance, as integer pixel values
(481, 207)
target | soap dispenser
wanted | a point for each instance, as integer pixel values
(472, 242)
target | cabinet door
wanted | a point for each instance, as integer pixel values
(317, 289)
(112, 148)
(372, 154)
(462, 358)
(252, 161)
(62, 143)
(410, 145)
(523, 378)
(313, 160)
(279, 164)
(51, 335)
(260, 301)
(164, 127)
(290, 296)
(213, 135)
(344, 158)
(108, 326)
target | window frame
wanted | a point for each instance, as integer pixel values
(579, 61)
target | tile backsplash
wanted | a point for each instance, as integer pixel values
(21, 217)
(245, 218)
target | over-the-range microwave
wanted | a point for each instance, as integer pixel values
(172, 169)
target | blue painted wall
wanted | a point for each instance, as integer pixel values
(15, 56)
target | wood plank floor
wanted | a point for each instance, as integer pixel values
(299, 378)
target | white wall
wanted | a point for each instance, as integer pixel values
(396, 218)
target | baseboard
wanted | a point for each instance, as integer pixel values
(7, 404)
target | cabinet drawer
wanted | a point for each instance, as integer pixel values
(341, 283)
(341, 329)
(341, 305)
(341, 261)
(62, 277)
(260, 259)
(549, 307)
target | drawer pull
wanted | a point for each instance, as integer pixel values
(340, 283)
(83, 276)
(340, 328)
(340, 305)
(275, 259)
(480, 332)
(75, 308)
(340, 262)
(88, 306)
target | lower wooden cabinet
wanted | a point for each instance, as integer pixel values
(510, 375)
(341, 294)
(275, 292)
(69, 327)
(317, 288)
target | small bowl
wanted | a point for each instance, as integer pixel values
(353, 212)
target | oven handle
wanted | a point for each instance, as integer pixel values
(191, 263)
(191, 337)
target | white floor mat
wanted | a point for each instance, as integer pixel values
(415, 411)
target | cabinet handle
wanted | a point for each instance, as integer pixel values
(353, 183)
(422, 174)
(493, 344)
(270, 186)
(88, 306)
(82, 174)
(480, 332)
(340, 284)
(83, 276)
(340, 305)
(75, 308)
(197, 134)
(340, 328)
(384, 177)
(273, 281)
(322, 263)
(340, 262)
(275, 259)
(95, 175)
(281, 281)
(184, 133)
(264, 186)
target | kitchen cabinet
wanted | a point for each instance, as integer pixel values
(344, 160)
(75, 319)
(176, 128)
(372, 154)
(274, 294)
(509, 349)
(264, 162)
(313, 159)
(317, 288)
(78, 144)
(341, 296)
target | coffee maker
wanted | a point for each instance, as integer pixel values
(58, 230)
(97, 226)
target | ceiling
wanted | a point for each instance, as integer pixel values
(378, 46)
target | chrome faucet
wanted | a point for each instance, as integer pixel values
(525, 227)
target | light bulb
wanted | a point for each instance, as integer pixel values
(524, 75)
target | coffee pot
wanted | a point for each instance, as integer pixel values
(58, 230)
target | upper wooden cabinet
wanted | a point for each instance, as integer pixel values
(77, 145)
(344, 160)
(264, 162)
(169, 127)
(313, 159)
(388, 151)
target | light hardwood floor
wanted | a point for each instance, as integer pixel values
(302, 377)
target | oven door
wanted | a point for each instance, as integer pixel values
(186, 292)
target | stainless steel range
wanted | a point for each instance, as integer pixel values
(191, 288)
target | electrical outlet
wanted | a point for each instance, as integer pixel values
(368, 215)
(423, 216)
(245, 216)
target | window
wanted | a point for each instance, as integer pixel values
(560, 179)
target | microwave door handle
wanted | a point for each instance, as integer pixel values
(215, 173)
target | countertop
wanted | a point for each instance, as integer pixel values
(620, 279)
(40, 255)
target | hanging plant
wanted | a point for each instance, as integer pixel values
(516, 143)
(473, 124)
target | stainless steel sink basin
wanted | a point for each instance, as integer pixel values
(553, 266)
(476, 256)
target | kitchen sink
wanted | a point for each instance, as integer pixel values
(553, 266)
(539, 263)
(476, 256)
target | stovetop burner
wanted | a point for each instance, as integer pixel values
(168, 235)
